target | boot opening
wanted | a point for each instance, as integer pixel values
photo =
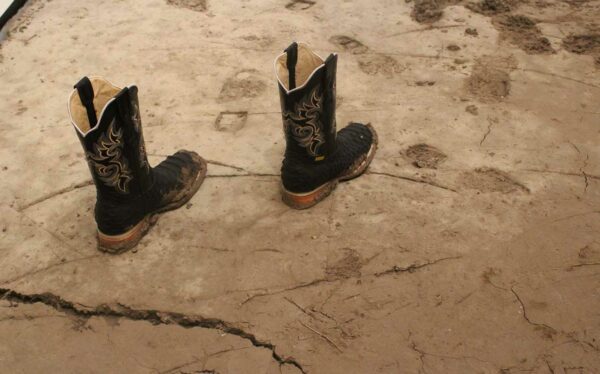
(308, 62)
(103, 92)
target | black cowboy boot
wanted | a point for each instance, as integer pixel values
(130, 193)
(316, 158)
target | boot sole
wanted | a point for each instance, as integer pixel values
(311, 198)
(116, 244)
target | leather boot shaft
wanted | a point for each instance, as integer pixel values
(307, 95)
(107, 122)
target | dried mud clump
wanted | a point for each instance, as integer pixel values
(523, 32)
(489, 7)
(347, 267)
(427, 11)
(195, 5)
(425, 156)
(492, 180)
(584, 45)
(488, 82)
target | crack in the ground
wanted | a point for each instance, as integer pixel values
(242, 175)
(155, 317)
(411, 179)
(423, 354)
(548, 328)
(414, 267)
(584, 174)
(277, 292)
(51, 266)
(201, 360)
(583, 166)
(567, 173)
(214, 162)
(394, 270)
(582, 265)
(55, 193)
(491, 123)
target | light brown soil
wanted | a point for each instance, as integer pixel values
(470, 245)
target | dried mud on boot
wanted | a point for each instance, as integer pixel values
(425, 156)
(488, 81)
(491, 180)
(195, 5)
(523, 32)
(586, 44)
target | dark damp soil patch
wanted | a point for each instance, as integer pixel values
(427, 11)
(245, 83)
(523, 32)
(488, 82)
(347, 267)
(585, 44)
(490, 7)
(492, 180)
(425, 156)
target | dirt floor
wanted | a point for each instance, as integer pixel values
(472, 244)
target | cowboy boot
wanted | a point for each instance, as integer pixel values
(129, 192)
(316, 157)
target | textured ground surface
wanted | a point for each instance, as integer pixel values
(472, 244)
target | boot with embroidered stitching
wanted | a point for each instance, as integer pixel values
(316, 157)
(129, 192)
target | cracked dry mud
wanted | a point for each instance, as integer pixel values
(471, 244)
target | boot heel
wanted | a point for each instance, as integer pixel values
(115, 244)
(307, 199)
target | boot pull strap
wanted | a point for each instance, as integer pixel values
(86, 95)
(123, 104)
(292, 59)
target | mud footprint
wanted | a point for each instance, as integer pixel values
(195, 5)
(299, 4)
(369, 63)
(348, 266)
(490, 79)
(425, 156)
(492, 180)
(427, 11)
(231, 121)
(584, 44)
(523, 32)
(243, 84)
(349, 44)
(489, 7)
